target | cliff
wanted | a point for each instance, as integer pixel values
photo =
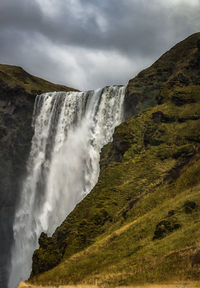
(140, 223)
(17, 95)
(143, 91)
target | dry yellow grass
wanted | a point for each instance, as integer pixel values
(27, 285)
(175, 285)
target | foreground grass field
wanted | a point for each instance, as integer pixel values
(175, 285)
(164, 285)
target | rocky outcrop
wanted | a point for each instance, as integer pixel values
(17, 95)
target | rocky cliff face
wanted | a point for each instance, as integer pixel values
(140, 222)
(17, 95)
(16, 108)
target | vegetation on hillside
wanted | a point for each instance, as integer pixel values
(141, 222)
(14, 76)
(181, 60)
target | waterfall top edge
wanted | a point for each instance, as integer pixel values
(81, 92)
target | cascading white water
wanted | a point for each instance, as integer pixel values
(69, 131)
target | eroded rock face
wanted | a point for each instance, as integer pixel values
(16, 107)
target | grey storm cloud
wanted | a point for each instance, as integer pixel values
(92, 43)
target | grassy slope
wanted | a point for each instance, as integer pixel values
(143, 90)
(167, 285)
(141, 221)
(15, 76)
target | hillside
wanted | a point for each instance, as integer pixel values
(18, 90)
(140, 223)
(143, 91)
(14, 76)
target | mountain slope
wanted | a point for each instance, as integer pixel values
(14, 76)
(143, 90)
(140, 223)
(17, 95)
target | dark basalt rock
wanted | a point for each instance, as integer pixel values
(114, 151)
(131, 105)
(15, 139)
(189, 206)
(43, 240)
(198, 45)
(165, 227)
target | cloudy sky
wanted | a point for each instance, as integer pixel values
(92, 43)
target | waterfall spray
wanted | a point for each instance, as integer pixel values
(69, 131)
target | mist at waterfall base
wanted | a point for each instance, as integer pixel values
(70, 128)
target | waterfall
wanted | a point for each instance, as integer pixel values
(70, 128)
